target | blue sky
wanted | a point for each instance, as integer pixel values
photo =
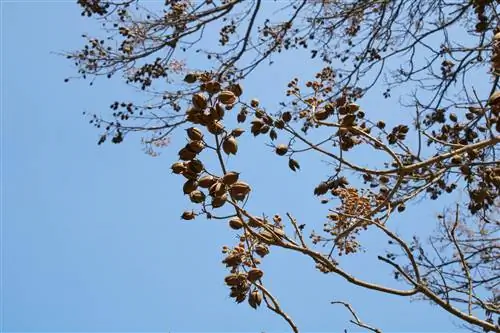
(91, 236)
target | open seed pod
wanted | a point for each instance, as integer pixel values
(236, 89)
(195, 166)
(195, 146)
(212, 87)
(215, 127)
(230, 145)
(217, 189)
(255, 299)
(322, 114)
(217, 112)
(188, 174)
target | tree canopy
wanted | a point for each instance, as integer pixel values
(190, 60)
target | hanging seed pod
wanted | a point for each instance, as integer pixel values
(186, 155)
(197, 196)
(232, 280)
(262, 250)
(217, 189)
(281, 149)
(230, 145)
(199, 101)
(206, 181)
(196, 146)
(254, 274)
(212, 87)
(190, 186)
(236, 223)
(242, 116)
(255, 299)
(227, 97)
(188, 174)
(230, 178)
(219, 201)
(321, 114)
(293, 164)
(190, 78)
(348, 120)
(178, 167)
(254, 103)
(217, 113)
(236, 89)
(237, 132)
(286, 116)
(352, 107)
(195, 166)
(239, 190)
(215, 127)
(194, 134)
(188, 215)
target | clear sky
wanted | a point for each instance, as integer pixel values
(91, 236)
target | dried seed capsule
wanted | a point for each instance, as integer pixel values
(281, 149)
(199, 101)
(189, 186)
(219, 201)
(196, 146)
(230, 178)
(206, 181)
(239, 190)
(217, 189)
(188, 215)
(262, 250)
(194, 133)
(186, 155)
(178, 167)
(236, 223)
(236, 89)
(197, 196)
(227, 97)
(195, 166)
(254, 274)
(255, 299)
(215, 127)
(230, 145)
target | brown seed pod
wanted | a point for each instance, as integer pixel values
(267, 236)
(236, 89)
(494, 98)
(195, 166)
(232, 280)
(262, 250)
(254, 103)
(178, 167)
(321, 114)
(197, 196)
(256, 222)
(217, 113)
(227, 97)
(189, 186)
(206, 181)
(239, 190)
(281, 149)
(348, 120)
(255, 299)
(230, 145)
(188, 174)
(199, 100)
(190, 78)
(219, 201)
(230, 178)
(242, 116)
(286, 116)
(217, 189)
(212, 87)
(254, 274)
(215, 127)
(188, 215)
(237, 132)
(196, 146)
(236, 223)
(352, 107)
(194, 134)
(186, 155)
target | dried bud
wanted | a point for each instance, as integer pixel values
(254, 274)
(194, 134)
(281, 149)
(230, 146)
(188, 215)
